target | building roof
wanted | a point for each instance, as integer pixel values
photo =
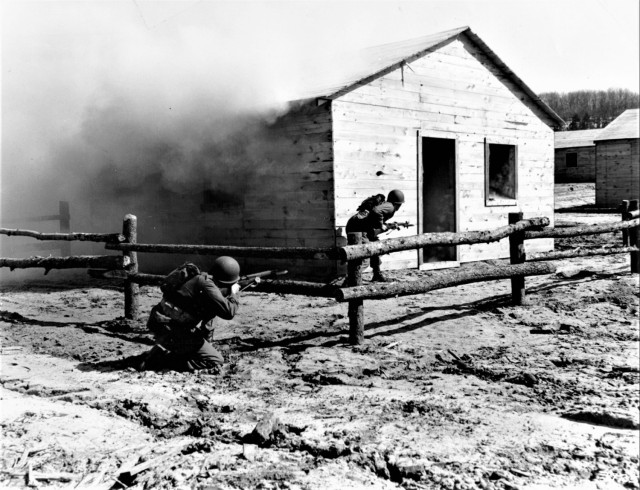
(625, 126)
(380, 60)
(576, 139)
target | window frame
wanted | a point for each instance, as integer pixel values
(503, 201)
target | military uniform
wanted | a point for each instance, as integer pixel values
(370, 224)
(182, 324)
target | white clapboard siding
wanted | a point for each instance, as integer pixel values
(451, 92)
(617, 172)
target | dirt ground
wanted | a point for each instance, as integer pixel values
(455, 389)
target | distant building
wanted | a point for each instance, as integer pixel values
(618, 160)
(575, 155)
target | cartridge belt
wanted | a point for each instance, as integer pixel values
(177, 314)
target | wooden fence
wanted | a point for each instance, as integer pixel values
(64, 219)
(518, 230)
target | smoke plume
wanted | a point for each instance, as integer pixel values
(121, 107)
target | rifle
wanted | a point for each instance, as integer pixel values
(158, 350)
(252, 279)
(398, 225)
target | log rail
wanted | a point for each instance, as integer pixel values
(443, 279)
(84, 237)
(581, 230)
(579, 252)
(72, 262)
(276, 286)
(254, 252)
(363, 251)
(518, 231)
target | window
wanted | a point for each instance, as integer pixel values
(571, 159)
(501, 183)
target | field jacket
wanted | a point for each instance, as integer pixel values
(371, 222)
(185, 318)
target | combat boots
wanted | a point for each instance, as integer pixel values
(153, 359)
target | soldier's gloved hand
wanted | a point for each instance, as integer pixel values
(235, 288)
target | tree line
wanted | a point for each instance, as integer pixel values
(591, 109)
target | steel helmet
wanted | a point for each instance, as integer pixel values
(226, 270)
(396, 196)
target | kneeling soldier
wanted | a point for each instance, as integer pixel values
(182, 322)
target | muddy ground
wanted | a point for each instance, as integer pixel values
(456, 389)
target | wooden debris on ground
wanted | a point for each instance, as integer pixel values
(265, 430)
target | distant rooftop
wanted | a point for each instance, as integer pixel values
(625, 126)
(576, 139)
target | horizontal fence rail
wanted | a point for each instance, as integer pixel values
(83, 237)
(440, 280)
(64, 219)
(278, 286)
(72, 262)
(573, 254)
(255, 252)
(581, 230)
(518, 230)
(366, 250)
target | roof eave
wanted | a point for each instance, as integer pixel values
(629, 137)
(559, 122)
(550, 113)
(586, 145)
(363, 81)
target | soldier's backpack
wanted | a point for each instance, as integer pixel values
(368, 204)
(177, 277)
(371, 202)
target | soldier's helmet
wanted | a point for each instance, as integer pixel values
(396, 196)
(226, 270)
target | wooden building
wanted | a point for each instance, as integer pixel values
(617, 161)
(575, 155)
(441, 117)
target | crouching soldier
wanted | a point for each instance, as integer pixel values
(370, 220)
(182, 323)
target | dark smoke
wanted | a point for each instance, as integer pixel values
(155, 112)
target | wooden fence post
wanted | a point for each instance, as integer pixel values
(65, 227)
(634, 239)
(356, 306)
(624, 209)
(131, 289)
(517, 256)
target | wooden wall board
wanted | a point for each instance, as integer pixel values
(290, 200)
(365, 142)
(412, 94)
(419, 98)
(617, 171)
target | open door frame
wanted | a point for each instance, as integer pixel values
(430, 133)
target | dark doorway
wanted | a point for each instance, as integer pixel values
(438, 195)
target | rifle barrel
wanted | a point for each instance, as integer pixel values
(249, 277)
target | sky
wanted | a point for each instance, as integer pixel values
(117, 91)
